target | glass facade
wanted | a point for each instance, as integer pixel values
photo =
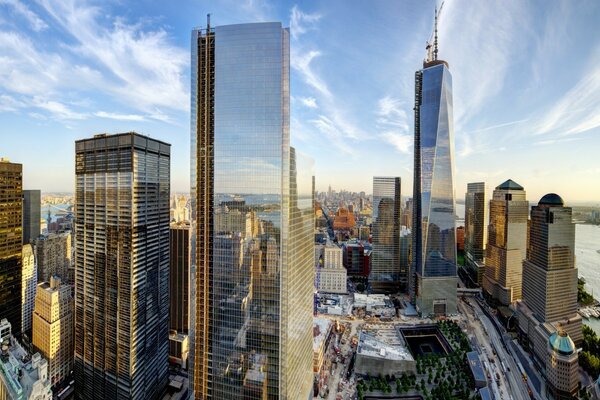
(11, 242)
(385, 274)
(179, 277)
(434, 236)
(31, 215)
(121, 266)
(475, 229)
(253, 220)
(507, 243)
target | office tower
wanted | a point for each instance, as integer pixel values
(179, 277)
(550, 276)
(121, 266)
(53, 255)
(434, 239)
(385, 263)
(407, 214)
(357, 258)
(53, 327)
(11, 242)
(254, 284)
(32, 215)
(562, 366)
(331, 274)
(475, 230)
(507, 243)
(22, 376)
(28, 284)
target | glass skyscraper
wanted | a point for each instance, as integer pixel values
(11, 242)
(31, 215)
(434, 237)
(121, 266)
(385, 274)
(252, 211)
(475, 230)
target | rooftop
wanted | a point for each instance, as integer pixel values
(373, 345)
(551, 199)
(476, 368)
(562, 343)
(509, 185)
(20, 372)
(321, 327)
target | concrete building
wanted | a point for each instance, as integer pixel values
(54, 257)
(344, 219)
(28, 284)
(254, 295)
(179, 349)
(11, 242)
(31, 215)
(384, 275)
(476, 218)
(383, 355)
(507, 242)
(549, 277)
(22, 377)
(562, 367)
(434, 274)
(322, 333)
(179, 277)
(331, 276)
(122, 185)
(53, 327)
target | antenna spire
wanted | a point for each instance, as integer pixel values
(435, 35)
(208, 22)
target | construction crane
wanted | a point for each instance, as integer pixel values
(432, 43)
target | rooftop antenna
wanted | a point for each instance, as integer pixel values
(208, 22)
(432, 48)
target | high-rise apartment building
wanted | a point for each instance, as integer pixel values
(179, 277)
(121, 266)
(53, 256)
(433, 288)
(475, 230)
(507, 243)
(254, 282)
(32, 202)
(28, 285)
(385, 260)
(11, 242)
(549, 276)
(53, 327)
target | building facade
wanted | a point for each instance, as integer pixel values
(433, 288)
(179, 277)
(507, 242)
(549, 277)
(254, 287)
(384, 275)
(54, 257)
(28, 285)
(331, 275)
(11, 242)
(562, 367)
(32, 202)
(53, 328)
(121, 266)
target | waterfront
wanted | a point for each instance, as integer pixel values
(587, 259)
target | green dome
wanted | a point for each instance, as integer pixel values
(562, 343)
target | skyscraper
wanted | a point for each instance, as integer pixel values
(179, 277)
(53, 327)
(507, 241)
(31, 215)
(11, 242)
(53, 255)
(549, 274)
(254, 282)
(434, 238)
(28, 285)
(385, 260)
(121, 266)
(475, 230)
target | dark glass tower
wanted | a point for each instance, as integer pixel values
(252, 206)
(434, 237)
(385, 273)
(31, 215)
(11, 242)
(179, 277)
(121, 266)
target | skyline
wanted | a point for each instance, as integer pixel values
(75, 70)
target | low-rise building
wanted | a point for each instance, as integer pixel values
(179, 348)
(379, 355)
(21, 377)
(477, 369)
(379, 305)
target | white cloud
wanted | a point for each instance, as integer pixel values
(309, 102)
(391, 112)
(37, 24)
(301, 62)
(9, 103)
(58, 110)
(301, 22)
(120, 117)
(402, 142)
(334, 132)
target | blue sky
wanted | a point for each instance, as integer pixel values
(526, 81)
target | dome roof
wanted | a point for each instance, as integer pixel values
(551, 199)
(562, 343)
